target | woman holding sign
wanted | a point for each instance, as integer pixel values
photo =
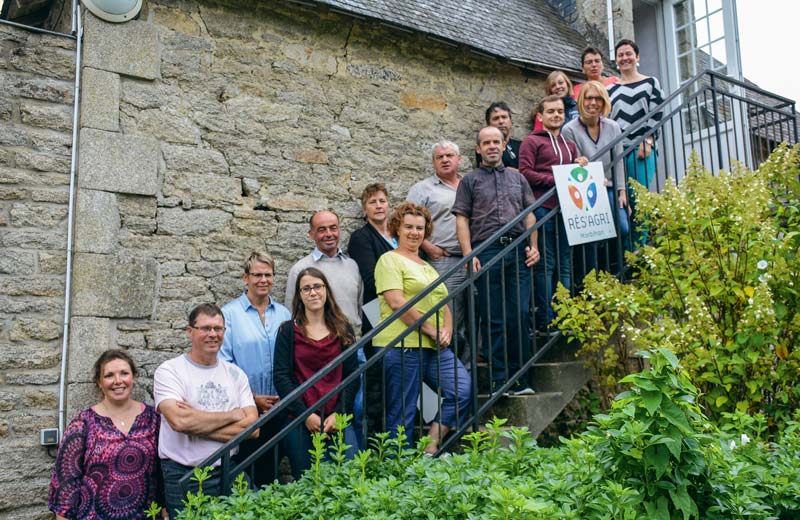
(591, 132)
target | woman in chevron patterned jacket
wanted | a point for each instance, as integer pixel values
(634, 98)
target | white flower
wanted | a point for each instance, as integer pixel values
(745, 439)
(762, 264)
(732, 445)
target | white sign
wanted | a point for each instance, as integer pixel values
(585, 207)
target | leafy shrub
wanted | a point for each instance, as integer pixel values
(653, 456)
(719, 287)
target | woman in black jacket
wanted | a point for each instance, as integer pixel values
(318, 333)
(366, 246)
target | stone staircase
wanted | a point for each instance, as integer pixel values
(557, 378)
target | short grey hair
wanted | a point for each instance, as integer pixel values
(444, 143)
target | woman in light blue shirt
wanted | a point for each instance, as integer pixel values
(251, 326)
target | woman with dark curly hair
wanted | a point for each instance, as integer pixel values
(107, 462)
(423, 354)
(318, 332)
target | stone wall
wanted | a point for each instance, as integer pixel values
(36, 96)
(208, 129)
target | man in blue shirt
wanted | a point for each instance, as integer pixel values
(251, 326)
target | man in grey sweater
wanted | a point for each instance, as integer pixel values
(340, 269)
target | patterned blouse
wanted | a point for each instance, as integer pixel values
(101, 473)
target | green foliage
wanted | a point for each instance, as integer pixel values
(719, 287)
(654, 455)
(653, 440)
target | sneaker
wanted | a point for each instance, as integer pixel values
(520, 389)
(494, 391)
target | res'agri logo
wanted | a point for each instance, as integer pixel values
(582, 188)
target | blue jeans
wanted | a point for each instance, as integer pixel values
(555, 266)
(503, 306)
(298, 443)
(592, 250)
(643, 171)
(174, 495)
(358, 406)
(440, 370)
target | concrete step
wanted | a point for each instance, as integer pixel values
(566, 376)
(534, 411)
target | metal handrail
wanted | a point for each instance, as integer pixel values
(224, 452)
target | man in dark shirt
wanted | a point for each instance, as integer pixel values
(488, 198)
(498, 115)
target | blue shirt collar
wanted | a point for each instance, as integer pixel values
(247, 304)
(316, 254)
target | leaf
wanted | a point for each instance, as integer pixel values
(675, 415)
(780, 310)
(652, 400)
(683, 502)
(658, 457)
(782, 351)
(749, 291)
(670, 356)
(721, 400)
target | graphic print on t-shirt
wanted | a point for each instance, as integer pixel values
(212, 397)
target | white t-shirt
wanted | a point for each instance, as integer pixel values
(218, 388)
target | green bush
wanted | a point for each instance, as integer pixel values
(653, 456)
(718, 286)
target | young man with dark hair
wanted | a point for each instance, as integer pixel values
(592, 64)
(498, 115)
(540, 151)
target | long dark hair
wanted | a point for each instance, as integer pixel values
(335, 319)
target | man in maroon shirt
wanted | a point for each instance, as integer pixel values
(540, 151)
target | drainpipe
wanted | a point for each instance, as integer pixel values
(610, 20)
(75, 16)
(62, 390)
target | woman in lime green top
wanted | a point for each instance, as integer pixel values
(423, 354)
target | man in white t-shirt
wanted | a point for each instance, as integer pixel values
(204, 402)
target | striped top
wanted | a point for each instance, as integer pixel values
(633, 101)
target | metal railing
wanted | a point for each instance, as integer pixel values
(720, 118)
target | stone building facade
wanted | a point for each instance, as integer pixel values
(36, 99)
(207, 129)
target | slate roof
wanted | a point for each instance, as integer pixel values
(528, 32)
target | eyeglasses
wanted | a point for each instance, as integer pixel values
(209, 330)
(265, 276)
(317, 288)
(598, 99)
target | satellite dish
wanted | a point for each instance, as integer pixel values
(114, 10)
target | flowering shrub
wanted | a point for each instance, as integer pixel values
(718, 286)
(654, 456)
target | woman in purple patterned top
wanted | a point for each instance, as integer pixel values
(107, 463)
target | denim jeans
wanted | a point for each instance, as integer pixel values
(643, 171)
(358, 406)
(504, 305)
(174, 495)
(555, 266)
(298, 443)
(458, 305)
(405, 367)
(265, 469)
(592, 255)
